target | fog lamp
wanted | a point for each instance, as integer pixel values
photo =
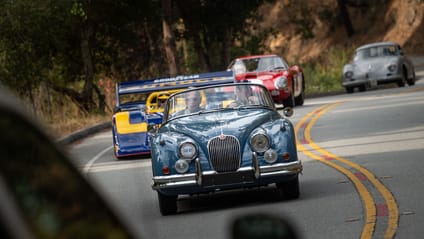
(181, 166)
(270, 156)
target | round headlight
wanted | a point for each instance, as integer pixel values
(348, 74)
(181, 166)
(391, 68)
(270, 156)
(259, 142)
(281, 82)
(187, 150)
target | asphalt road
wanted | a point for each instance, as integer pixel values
(362, 156)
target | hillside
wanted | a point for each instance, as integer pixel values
(401, 21)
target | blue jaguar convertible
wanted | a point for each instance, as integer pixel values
(222, 137)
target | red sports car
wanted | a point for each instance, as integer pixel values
(285, 83)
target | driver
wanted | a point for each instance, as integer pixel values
(192, 102)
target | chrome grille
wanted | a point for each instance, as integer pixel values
(224, 153)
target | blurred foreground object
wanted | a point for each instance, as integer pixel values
(42, 194)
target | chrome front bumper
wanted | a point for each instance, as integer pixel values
(257, 173)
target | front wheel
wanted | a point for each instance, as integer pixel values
(411, 81)
(289, 102)
(167, 204)
(403, 80)
(290, 189)
(300, 99)
(349, 89)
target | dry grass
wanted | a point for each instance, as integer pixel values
(71, 125)
(61, 116)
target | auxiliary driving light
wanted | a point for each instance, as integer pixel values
(270, 156)
(181, 166)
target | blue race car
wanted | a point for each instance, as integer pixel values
(139, 106)
(222, 137)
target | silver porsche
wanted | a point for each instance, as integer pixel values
(378, 63)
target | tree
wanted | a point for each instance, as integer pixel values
(213, 27)
(344, 14)
(168, 37)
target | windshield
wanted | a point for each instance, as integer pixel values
(377, 51)
(130, 101)
(217, 98)
(257, 64)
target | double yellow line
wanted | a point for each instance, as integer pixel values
(343, 166)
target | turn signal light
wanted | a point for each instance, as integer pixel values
(166, 170)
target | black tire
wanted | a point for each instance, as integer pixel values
(362, 88)
(349, 89)
(167, 204)
(289, 102)
(290, 189)
(401, 82)
(412, 80)
(299, 100)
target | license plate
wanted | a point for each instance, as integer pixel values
(227, 178)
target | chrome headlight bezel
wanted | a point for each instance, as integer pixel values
(281, 82)
(392, 67)
(348, 74)
(187, 150)
(260, 142)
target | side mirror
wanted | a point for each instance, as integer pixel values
(288, 111)
(152, 128)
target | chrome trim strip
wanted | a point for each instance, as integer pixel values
(255, 163)
(198, 172)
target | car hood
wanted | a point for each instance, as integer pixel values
(238, 123)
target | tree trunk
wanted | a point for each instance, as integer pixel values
(344, 14)
(87, 93)
(168, 38)
(193, 30)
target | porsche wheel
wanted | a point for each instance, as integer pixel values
(167, 204)
(290, 189)
(412, 80)
(349, 89)
(401, 82)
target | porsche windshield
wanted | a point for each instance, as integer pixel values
(377, 51)
(215, 98)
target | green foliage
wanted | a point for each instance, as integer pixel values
(325, 74)
(302, 20)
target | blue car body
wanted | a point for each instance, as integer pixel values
(131, 118)
(224, 158)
